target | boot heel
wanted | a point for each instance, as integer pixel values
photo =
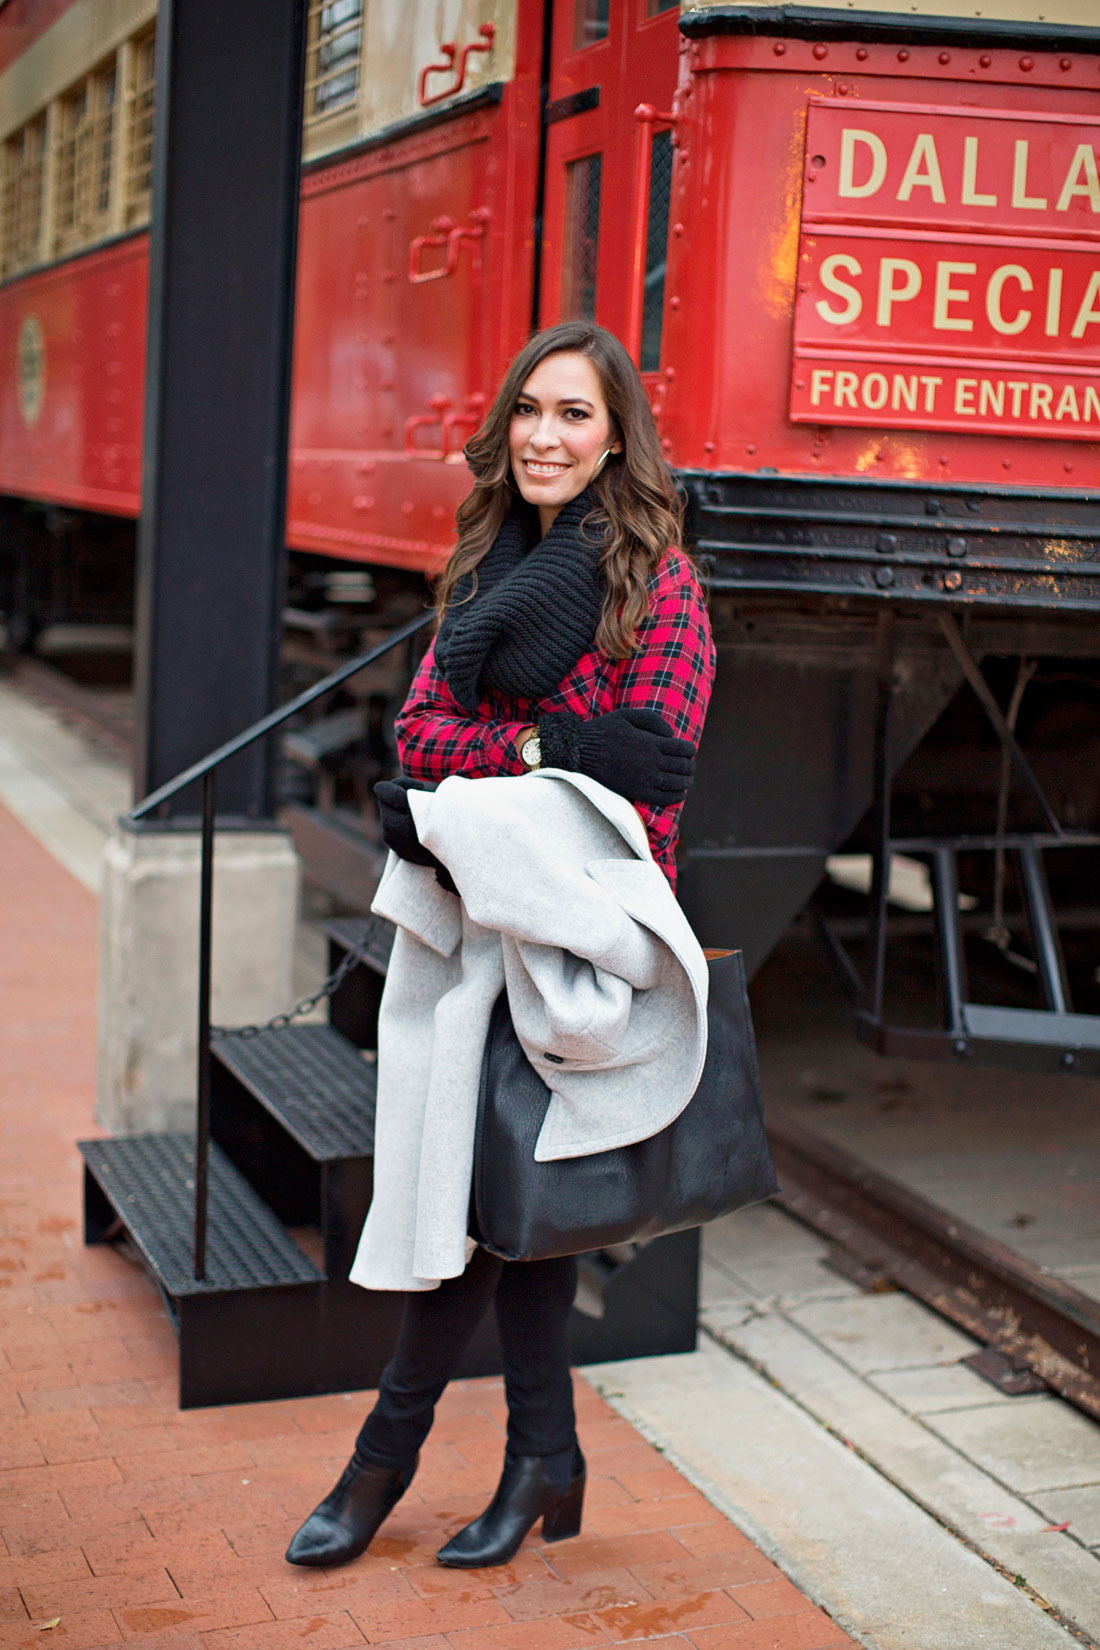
(564, 1519)
(525, 1494)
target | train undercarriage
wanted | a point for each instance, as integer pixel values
(797, 842)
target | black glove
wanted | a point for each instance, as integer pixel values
(634, 752)
(399, 827)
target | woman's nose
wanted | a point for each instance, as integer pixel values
(543, 436)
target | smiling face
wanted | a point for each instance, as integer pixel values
(559, 433)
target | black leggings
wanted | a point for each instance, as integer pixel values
(533, 1299)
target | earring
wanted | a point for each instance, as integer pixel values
(601, 461)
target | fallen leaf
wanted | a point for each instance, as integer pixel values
(1057, 1528)
(44, 1626)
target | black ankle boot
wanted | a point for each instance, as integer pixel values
(347, 1520)
(525, 1493)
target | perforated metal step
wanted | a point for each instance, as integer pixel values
(349, 932)
(148, 1180)
(313, 1081)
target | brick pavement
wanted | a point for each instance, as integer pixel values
(123, 1520)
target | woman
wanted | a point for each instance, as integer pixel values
(573, 635)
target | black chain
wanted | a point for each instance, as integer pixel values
(335, 980)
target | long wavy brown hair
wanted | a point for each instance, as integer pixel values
(640, 513)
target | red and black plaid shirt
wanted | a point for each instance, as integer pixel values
(671, 671)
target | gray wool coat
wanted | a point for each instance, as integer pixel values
(562, 903)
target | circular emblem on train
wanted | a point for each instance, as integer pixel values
(32, 368)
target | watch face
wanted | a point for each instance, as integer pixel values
(531, 751)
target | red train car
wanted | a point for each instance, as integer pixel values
(721, 229)
(701, 228)
(855, 255)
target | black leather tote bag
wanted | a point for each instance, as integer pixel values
(710, 1160)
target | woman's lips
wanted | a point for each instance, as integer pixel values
(543, 471)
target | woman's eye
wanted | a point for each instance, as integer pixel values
(523, 408)
(576, 413)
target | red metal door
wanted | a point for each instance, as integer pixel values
(415, 271)
(607, 173)
(416, 267)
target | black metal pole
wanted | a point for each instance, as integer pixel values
(211, 538)
(1044, 935)
(206, 936)
(945, 890)
(847, 974)
(970, 669)
(880, 814)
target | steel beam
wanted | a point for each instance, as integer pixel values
(226, 157)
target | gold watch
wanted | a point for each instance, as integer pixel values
(530, 752)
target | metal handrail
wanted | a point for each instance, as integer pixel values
(275, 718)
(206, 770)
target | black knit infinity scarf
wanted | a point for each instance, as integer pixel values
(535, 612)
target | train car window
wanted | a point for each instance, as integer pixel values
(85, 144)
(591, 22)
(72, 116)
(656, 250)
(139, 151)
(104, 144)
(655, 7)
(372, 67)
(21, 206)
(582, 237)
(334, 41)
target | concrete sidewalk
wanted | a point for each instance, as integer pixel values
(836, 1439)
(124, 1520)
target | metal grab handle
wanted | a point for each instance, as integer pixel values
(451, 235)
(438, 231)
(439, 405)
(448, 422)
(449, 48)
(646, 117)
(471, 418)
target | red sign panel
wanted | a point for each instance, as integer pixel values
(990, 320)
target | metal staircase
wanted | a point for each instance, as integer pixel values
(249, 1227)
(1046, 1037)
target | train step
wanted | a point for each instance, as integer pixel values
(310, 747)
(249, 1328)
(1048, 1036)
(1036, 1036)
(1045, 1035)
(335, 855)
(293, 1108)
